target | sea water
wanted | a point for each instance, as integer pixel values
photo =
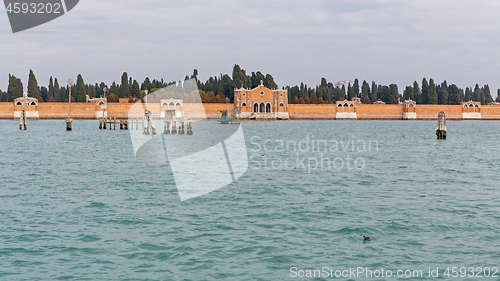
(79, 206)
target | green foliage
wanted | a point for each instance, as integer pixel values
(365, 93)
(124, 87)
(432, 93)
(15, 88)
(373, 94)
(136, 91)
(455, 96)
(33, 90)
(80, 91)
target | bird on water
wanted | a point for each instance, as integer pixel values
(366, 238)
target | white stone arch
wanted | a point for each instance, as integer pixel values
(255, 107)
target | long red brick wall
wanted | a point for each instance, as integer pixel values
(311, 111)
(380, 111)
(296, 111)
(431, 111)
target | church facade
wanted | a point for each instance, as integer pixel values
(261, 103)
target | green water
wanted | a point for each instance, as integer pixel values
(79, 206)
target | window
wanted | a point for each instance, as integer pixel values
(19, 103)
(244, 104)
(281, 94)
(261, 93)
(281, 104)
(411, 105)
(178, 104)
(171, 104)
(244, 94)
(33, 103)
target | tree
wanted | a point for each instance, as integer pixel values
(408, 93)
(113, 98)
(432, 93)
(51, 88)
(498, 96)
(416, 93)
(454, 95)
(350, 92)
(43, 94)
(15, 88)
(373, 93)
(57, 89)
(468, 95)
(295, 100)
(314, 98)
(487, 95)
(393, 94)
(355, 87)
(79, 92)
(365, 93)
(136, 91)
(124, 87)
(425, 92)
(33, 90)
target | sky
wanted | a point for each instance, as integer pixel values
(386, 41)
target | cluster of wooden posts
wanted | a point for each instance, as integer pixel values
(103, 122)
(170, 127)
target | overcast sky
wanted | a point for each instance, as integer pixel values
(387, 41)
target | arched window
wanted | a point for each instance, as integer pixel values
(244, 104)
(346, 105)
(164, 104)
(171, 104)
(255, 107)
(178, 104)
(19, 102)
(339, 105)
(412, 105)
(477, 105)
(261, 93)
(281, 104)
(351, 105)
(101, 103)
(33, 103)
(262, 108)
(268, 108)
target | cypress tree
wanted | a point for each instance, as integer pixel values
(432, 93)
(468, 95)
(454, 95)
(408, 93)
(425, 91)
(365, 93)
(15, 88)
(416, 93)
(33, 90)
(394, 94)
(350, 92)
(51, 88)
(373, 94)
(356, 88)
(124, 87)
(79, 92)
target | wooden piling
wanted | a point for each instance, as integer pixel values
(441, 127)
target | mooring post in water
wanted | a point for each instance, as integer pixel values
(166, 129)
(441, 127)
(181, 128)
(22, 122)
(174, 127)
(189, 128)
(69, 121)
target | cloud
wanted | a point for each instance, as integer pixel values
(389, 41)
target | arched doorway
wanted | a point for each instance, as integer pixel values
(255, 107)
(268, 108)
(262, 107)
